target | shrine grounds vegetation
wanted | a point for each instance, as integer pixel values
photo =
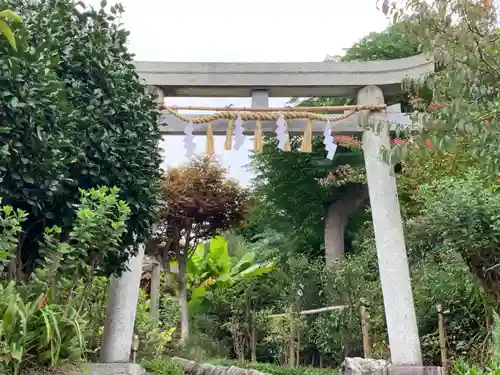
(80, 187)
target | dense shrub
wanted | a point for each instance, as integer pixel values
(162, 366)
(74, 116)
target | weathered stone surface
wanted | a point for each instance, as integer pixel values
(193, 368)
(414, 370)
(113, 369)
(368, 366)
(363, 366)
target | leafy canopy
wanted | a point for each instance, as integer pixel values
(462, 98)
(75, 116)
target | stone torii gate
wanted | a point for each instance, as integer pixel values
(368, 82)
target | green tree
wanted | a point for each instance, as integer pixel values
(75, 116)
(201, 201)
(460, 216)
(460, 100)
(300, 189)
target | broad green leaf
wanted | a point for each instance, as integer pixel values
(7, 32)
(256, 270)
(247, 259)
(219, 254)
(199, 292)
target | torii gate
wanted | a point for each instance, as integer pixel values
(366, 81)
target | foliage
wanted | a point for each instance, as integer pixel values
(34, 331)
(98, 228)
(5, 30)
(201, 194)
(462, 96)
(269, 368)
(392, 43)
(154, 337)
(10, 228)
(464, 368)
(288, 189)
(278, 370)
(162, 366)
(75, 116)
(201, 201)
(211, 267)
(460, 215)
(424, 167)
(59, 312)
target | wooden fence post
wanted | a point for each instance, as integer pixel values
(297, 351)
(291, 357)
(365, 328)
(442, 338)
(253, 338)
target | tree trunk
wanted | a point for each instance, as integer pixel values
(183, 298)
(154, 293)
(337, 216)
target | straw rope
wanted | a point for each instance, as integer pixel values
(261, 116)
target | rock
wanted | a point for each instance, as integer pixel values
(363, 366)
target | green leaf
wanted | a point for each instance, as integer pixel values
(199, 292)
(246, 260)
(7, 32)
(10, 15)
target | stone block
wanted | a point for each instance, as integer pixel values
(363, 366)
(414, 370)
(369, 366)
(113, 369)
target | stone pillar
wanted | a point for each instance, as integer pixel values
(120, 317)
(389, 237)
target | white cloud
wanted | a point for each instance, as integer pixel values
(242, 31)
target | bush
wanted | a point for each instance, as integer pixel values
(460, 217)
(278, 370)
(162, 366)
(61, 307)
(74, 116)
(34, 331)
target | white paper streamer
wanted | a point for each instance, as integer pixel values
(330, 145)
(239, 137)
(189, 144)
(281, 135)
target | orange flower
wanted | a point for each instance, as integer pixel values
(43, 301)
(428, 144)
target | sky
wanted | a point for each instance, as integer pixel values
(241, 31)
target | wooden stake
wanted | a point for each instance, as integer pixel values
(291, 357)
(297, 352)
(365, 328)
(442, 338)
(253, 339)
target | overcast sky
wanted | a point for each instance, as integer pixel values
(241, 31)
